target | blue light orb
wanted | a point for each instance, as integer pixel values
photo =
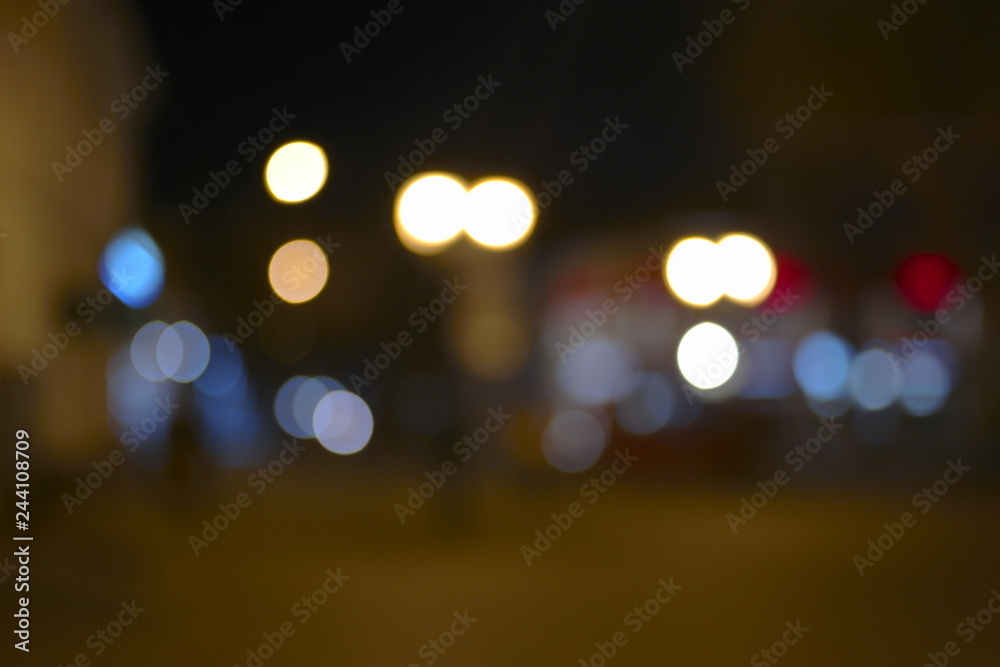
(132, 269)
(926, 385)
(822, 366)
(224, 374)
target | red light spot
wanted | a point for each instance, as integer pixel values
(923, 280)
(792, 285)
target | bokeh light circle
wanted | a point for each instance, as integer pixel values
(431, 211)
(748, 267)
(923, 280)
(296, 171)
(573, 441)
(132, 268)
(926, 384)
(692, 272)
(343, 422)
(707, 355)
(143, 350)
(298, 271)
(182, 352)
(284, 401)
(224, 372)
(644, 403)
(875, 380)
(305, 399)
(590, 375)
(822, 365)
(500, 213)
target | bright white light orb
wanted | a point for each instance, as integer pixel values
(692, 272)
(296, 172)
(740, 267)
(748, 268)
(501, 214)
(431, 210)
(707, 355)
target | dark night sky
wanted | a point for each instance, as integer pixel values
(607, 59)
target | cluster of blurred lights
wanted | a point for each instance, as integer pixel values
(739, 267)
(917, 378)
(605, 372)
(833, 376)
(319, 407)
(433, 209)
(178, 352)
